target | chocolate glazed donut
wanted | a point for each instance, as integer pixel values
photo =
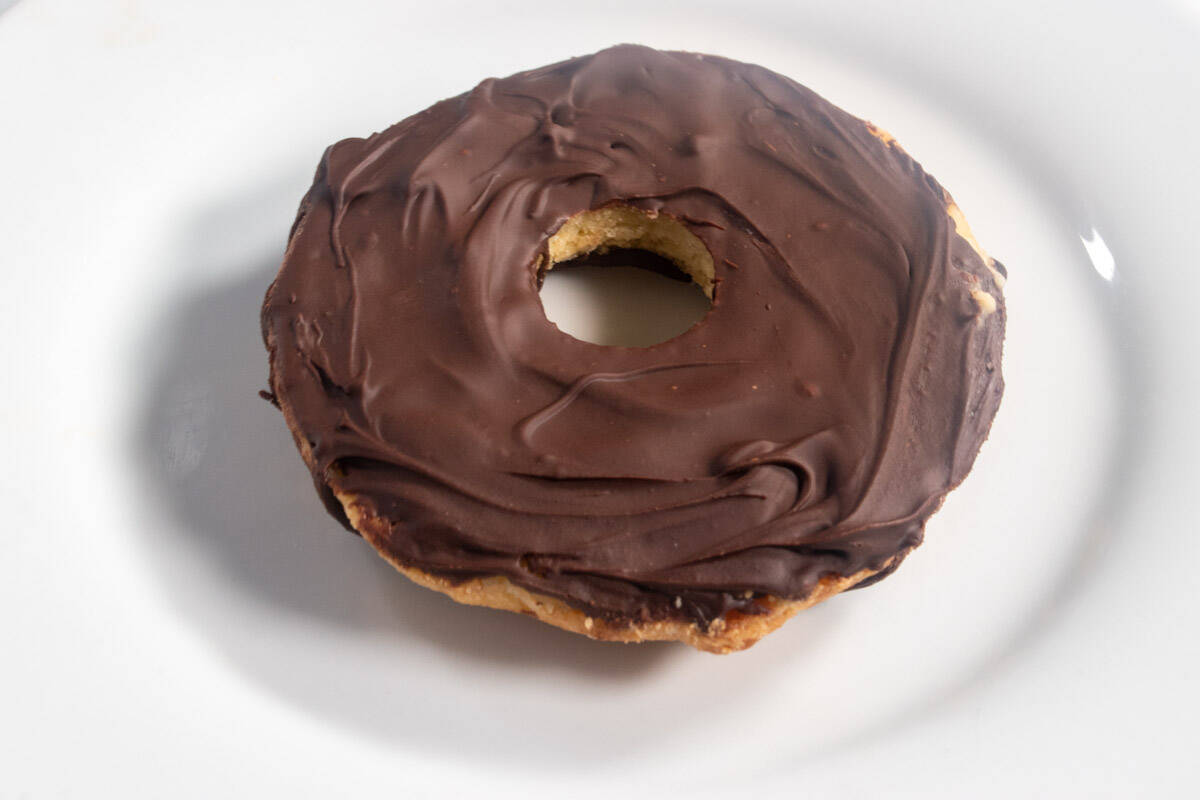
(789, 446)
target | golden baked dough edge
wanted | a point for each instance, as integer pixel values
(730, 633)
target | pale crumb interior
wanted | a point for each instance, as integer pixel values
(622, 226)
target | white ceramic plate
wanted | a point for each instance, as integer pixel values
(182, 619)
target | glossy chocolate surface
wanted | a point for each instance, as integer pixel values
(841, 384)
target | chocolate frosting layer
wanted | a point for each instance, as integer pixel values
(841, 384)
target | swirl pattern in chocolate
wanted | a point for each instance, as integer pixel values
(840, 386)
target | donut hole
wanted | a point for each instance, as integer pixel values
(625, 277)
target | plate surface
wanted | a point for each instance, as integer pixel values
(185, 618)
